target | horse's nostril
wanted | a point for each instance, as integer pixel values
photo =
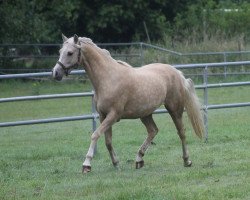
(57, 75)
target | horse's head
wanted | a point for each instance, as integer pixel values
(70, 55)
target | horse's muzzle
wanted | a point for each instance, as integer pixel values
(57, 75)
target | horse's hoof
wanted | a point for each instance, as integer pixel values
(86, 169)
(117, 168)
(116, 165)
(139, 165)
(188, 163)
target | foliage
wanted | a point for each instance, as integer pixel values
(104, 21)
(186, 26)
(208, 19)
(24, 21)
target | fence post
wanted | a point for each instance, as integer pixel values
(225, 67)
(205, 82)
(94, 120)
(141, 53)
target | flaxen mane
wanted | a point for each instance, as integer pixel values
(105, 51)
(90, 42)
(123, 63)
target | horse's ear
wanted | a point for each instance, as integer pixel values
(75, 39)
(64, 38)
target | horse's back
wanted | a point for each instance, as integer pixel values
(158, 68)
(161, 73)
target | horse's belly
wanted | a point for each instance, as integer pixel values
(141, 106)
(147, 95)
(138, 113)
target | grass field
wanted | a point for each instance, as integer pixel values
(44, 161)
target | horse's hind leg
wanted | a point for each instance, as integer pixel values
(177, 118)
(108, 141)
(152, 131)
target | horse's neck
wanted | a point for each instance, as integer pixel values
(99, 68)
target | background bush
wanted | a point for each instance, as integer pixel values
(183, 26)
(33, 21)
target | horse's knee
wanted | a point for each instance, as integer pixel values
(95, 136)
(153, 133)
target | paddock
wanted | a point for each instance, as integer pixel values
(42, 158)
(43, 161)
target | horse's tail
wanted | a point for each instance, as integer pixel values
(193, 108)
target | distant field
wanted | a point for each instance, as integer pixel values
(44, 161)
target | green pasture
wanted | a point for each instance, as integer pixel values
(44, 161)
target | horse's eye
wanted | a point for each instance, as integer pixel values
(70, 53)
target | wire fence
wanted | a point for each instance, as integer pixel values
(94, 115)
(37, 57)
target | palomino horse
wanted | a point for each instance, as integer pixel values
(124, 92)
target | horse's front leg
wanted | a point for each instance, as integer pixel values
(106, 124)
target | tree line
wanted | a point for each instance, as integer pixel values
(43, 21)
